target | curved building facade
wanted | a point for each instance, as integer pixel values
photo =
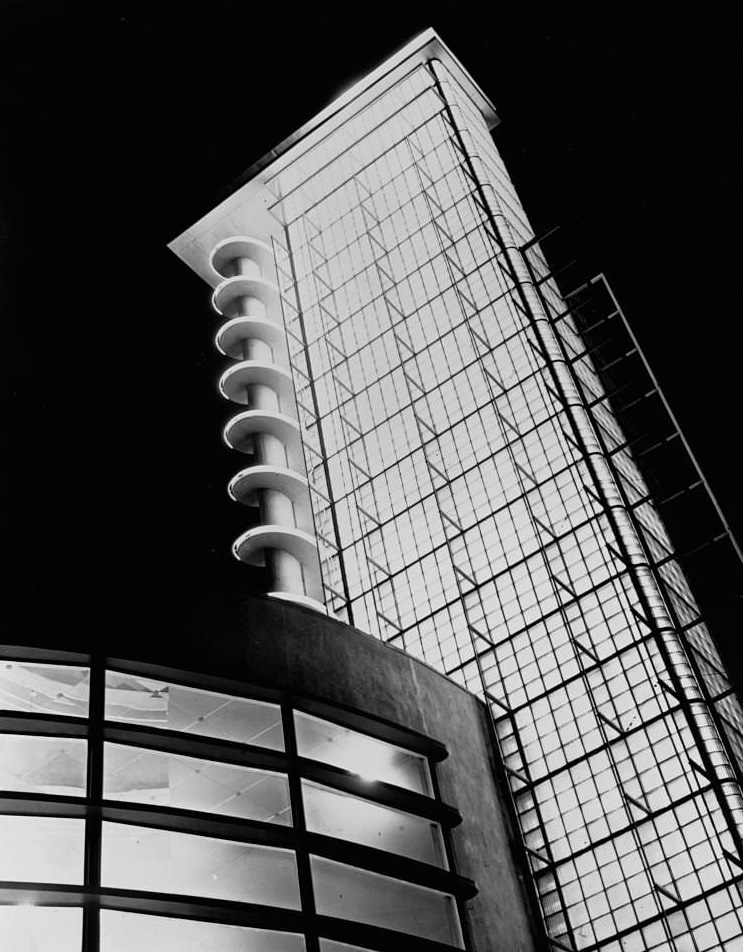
(292, 785)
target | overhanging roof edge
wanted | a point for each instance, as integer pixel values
(426, 46)
(422, 48)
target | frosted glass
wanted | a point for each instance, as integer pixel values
(123, 931)
(355, 894)
(52, 765)
(371, 824)
(40, 929)
(41, 849)
(366, 756)
(44, 688)
(177, 707)
(136, 775)
(141, 858)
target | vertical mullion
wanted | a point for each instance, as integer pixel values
(461, 904)
(304, 872)
(91, 911)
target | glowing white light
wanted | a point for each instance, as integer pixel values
(29, 928)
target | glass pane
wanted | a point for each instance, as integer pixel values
(41, 849)
(175, 707)
(123, 932)
(32, 764)
(351, 818)
(328, 945)
(350, 893)
(38, 928)
(44, 688)
(136, 857)
(171, 780)
(366, 756)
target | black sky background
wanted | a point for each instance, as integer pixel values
(122, 123)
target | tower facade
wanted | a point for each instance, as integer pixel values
(435, 459)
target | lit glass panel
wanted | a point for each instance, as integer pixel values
(329, 945)
(135, 775)
(366, 756)
(371, 824)
(124, 931)
(52, 765)
(140, 858)
(44, 688)
(28, 928)
(41, 849)
(177, 707)
(361, 896)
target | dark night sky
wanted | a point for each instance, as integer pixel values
(123, 122)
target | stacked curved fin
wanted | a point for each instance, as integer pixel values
(267, 428)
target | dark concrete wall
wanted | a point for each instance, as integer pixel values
(281, 646)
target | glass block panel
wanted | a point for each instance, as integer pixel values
(41, 849)
(164, 861)
(123, 931)
(39, 928)
(360, 754)
(361, 896)
(52, 765)
(371, 824)
(176, 707)
(136, 775)
(44, 688)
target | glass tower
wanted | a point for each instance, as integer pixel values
(475, 501)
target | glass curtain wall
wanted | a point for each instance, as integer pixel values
(466, 514)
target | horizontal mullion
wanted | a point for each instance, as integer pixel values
(378, 791)
(631, 825)
(524, 558)
(194, 745)
(44, 725)
(504, 294)
(424, 444)
(463, 201)
(197, 822)
(389, 864)
(352, 146)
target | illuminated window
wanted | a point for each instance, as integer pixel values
(360, 821)
(165, 861)
(351, 893)
(27, 928)
(123, 932)
(155, 703)
(365, 756)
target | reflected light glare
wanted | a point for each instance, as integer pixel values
(368, 761)
(367, 778)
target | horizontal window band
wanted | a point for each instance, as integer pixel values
(194, 745)
(228, 913)
(390, 864)
(374, 937)
(205, 681)
(377, 791)
(374, 727)
(245, 831)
